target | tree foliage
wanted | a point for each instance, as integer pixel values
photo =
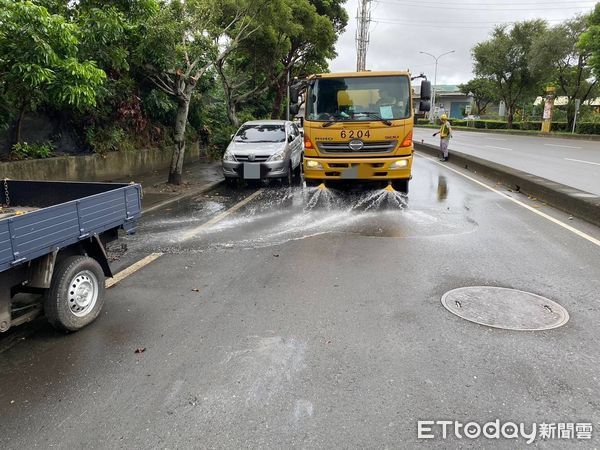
(590, 40)
(40, 60)
(130, 73)
(483, 90)
(505, 58)
(557, 59)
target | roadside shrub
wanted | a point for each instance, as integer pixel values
(560, 126)
(479, 123)
(422, 121)
(531, 125)
(40, 150)
(496, 125)
(588, 128)
(458, 122)
(515, 126)
(219, 140)
(106, 140)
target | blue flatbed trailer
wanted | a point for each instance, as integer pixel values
(54, 244)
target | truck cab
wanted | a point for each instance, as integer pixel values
(359, 126)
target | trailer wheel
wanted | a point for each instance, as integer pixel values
(76, 294)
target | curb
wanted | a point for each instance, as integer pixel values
(577, 203)
(575, 137)
(178, 198)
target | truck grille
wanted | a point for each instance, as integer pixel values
(257, 158)
(370, 147)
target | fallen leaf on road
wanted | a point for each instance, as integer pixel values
(140, 350)
(195, 290)
(276, 256)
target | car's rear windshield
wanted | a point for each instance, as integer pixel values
(261, 133)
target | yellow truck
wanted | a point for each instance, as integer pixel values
(359, 126)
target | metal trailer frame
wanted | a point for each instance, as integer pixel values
(74, 219)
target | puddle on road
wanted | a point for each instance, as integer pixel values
(287, 214)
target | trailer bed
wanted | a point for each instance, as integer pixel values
(59, 214)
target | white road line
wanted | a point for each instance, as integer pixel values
(579, 233)
(500, 148)
(561, 146)
(190, 234)
(132, 269)
(495, 139)
(154, 256)
(582, 161)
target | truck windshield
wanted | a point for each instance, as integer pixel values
(359, 98)
(261, 133)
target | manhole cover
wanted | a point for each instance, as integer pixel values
(510, 309)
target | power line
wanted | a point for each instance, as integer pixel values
(363, 33)
(446, 25)
(584, 3)
(391, 2)
(469, 22)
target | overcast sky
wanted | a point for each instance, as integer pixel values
(403, 28)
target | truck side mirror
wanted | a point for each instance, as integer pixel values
(294, 109)
(425, 90)
(424, 106)
(294, 94)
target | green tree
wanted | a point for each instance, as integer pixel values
(252, 67)
(40, 61)
(308, 41)
(184, 41)
(504, 59)
(483, 90)
(557, 57)
(590, 40)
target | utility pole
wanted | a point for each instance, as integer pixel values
(437, 58)
(287, 111)
(363, 33)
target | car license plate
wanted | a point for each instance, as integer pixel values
(251, 171)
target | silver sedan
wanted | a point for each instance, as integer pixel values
(265, 149)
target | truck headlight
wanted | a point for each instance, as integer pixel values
(277, 156)
(228, 156)
(313, 165)
(399, 164)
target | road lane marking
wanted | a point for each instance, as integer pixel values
(193, 232)
(132, 269)
(579, 233)
(154, 256)
(561, 146)
(500, 148)
(582, 161)
(495, 139)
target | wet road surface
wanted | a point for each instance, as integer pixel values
(313, 319)
(572, 162)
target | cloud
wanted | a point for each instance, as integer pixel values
(403, 28)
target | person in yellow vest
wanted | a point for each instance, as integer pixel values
(445, 135)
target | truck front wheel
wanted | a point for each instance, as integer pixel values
(76, 294)
(400, 185)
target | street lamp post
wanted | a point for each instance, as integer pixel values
(437, 58)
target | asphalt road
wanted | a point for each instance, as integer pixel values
(574, 163)
(311, 322)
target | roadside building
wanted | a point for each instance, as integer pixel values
(449, 100)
